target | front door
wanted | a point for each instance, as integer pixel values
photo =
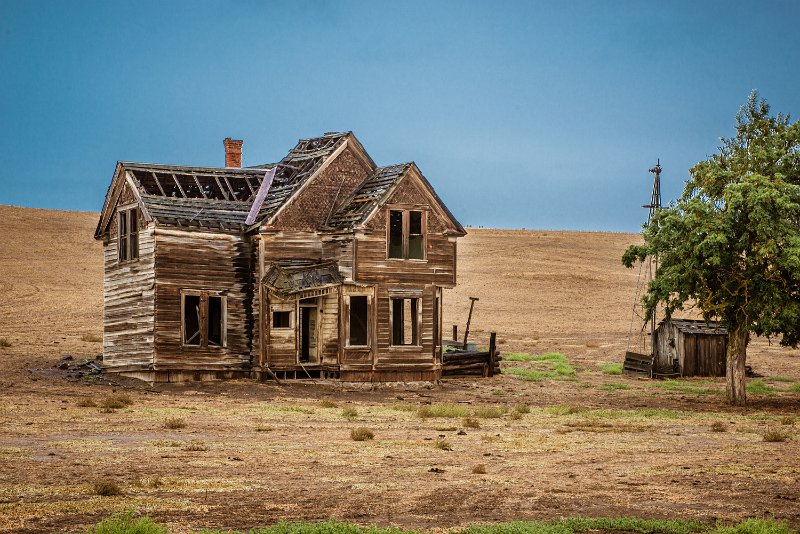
(308, 331)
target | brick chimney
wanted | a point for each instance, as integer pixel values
(233, 152)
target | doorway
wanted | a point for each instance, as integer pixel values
(309, 311)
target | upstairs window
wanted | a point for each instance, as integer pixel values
(203, 319)
(128, 234)
(406, 238)
(405, 321)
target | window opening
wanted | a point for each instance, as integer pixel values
(191, 320)
(395, 234)
(358, 321)
(280, 319)
(128, 238)
(404, 321)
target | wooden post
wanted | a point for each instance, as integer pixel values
(455, 332)
(492, 344)
(469, 319)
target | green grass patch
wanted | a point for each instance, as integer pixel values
(758, 387)
(128, 524)
(614, 386)
(535, 375)
(517, 357)
(611, 368)
(795, 387)
(783, 379)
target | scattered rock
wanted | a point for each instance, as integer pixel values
(461, 432)
(67, 357)
(436, 470)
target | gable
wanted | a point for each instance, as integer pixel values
(412, 189)
(311, 206)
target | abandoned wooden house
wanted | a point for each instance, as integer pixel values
(689, 348)
(323, 265)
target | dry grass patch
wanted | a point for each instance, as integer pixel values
(491, 412)
(86, 402)
(92, 338)
(443, 410)
(775, 436)
(479, 469)
(196, 446)
(361, 434)
(4, 342)
(327, 403)
(788, 420)
(174, 423)
(106, 488)
(404, 407)
(522, 408)
(563, 409)
(350, 413)
(264, 428)
(471, 422)
(442, 444)
(116, 402)
(719, 426)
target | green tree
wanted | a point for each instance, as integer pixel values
(730, 245)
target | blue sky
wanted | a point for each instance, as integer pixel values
(522, 114)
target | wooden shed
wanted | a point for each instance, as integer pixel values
(690, 347)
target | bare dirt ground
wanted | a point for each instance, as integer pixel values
(592, 443)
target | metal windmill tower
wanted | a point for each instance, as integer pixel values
(642, 340)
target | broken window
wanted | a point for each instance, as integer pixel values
(358, 321)
(215, 321)
(280, 319)
(128, 234)
(406, 234)
(395, 234)
(415, 242)
(203, 319)
(405, 321)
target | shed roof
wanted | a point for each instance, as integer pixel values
(695, 326)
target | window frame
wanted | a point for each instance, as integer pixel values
(272, 320)
(412, 346)
(203, 319)
(406, 217)
(130, 236)
(348, 308)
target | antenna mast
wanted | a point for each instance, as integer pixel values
(650, 265)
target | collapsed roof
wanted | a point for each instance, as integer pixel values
(222, 198)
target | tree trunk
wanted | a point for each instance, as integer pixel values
(735, 376)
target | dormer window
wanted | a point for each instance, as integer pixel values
(128, 234)
(406, 238)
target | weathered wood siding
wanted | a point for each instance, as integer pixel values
(128, 294)
(362, 358)
(280, 343)
(215, 262)
(340, 249)
(697, 354)
(394, 358)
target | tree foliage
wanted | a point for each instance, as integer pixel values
(730, 245)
